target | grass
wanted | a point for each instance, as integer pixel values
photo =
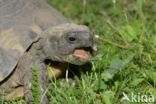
(125, 31)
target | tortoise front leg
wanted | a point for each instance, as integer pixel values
(42, 79)
(27, 79)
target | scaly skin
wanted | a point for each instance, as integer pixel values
(22, 76)
(57, 44)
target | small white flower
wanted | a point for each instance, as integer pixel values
(97, 36)
(114, 1)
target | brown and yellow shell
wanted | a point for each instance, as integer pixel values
(21, 22)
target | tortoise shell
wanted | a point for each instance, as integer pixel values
(21, 22)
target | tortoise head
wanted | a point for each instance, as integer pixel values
(69, 43)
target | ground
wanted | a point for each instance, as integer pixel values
(125, 66)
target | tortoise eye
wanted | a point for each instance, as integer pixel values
(71, 37)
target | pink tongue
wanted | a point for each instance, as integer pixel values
(81, 53)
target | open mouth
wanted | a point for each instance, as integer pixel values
(83, 53)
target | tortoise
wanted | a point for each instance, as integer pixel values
(32, 32)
